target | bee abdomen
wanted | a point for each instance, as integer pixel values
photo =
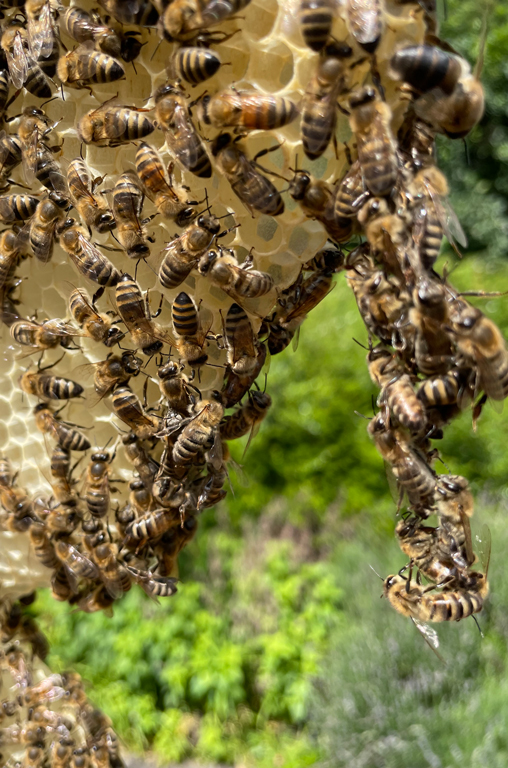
(442, 390)
(103, 69)
(37, 83)
(316, 131)
(316, 19)
(379, 165)
(185, 316)
(71, 439)
(425, 67)
(17, 207)
(172, 272)
(57, 388)
(97, 502)
(195, 65)
(405, 405)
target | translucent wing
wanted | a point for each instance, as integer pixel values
(447, 217)
(484, 542)
(183, 140)
(41, 33)
(29, 156)
(17, 62)
(429, 635)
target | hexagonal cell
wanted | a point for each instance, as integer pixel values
(277, 58)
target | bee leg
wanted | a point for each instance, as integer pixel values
(97, 295)
(47, 367)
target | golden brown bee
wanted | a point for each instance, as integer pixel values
(255, 191)
(91, 601)
(365, 21)
(316, 18)
(67, 436)
(444, 390)
(43, 226)
(194, 65)
(247, 418)
(433, 551)
(76, 564)
(159, 189)
(112, 574)
(93, 208)
(182, 254)
(432, 348)
(41, 15)
(135, 313)
(97, 492)
(81, 26)
(111, 125)
(317, 200)
(50, 387)
(319, 106)
(238, 282)
(241, 342)
(172, 117)
(397, 389)
(450, 605)
(10, 156)
(45, 335)
(182, 20)
(112, 371)
(175, 388)
(11, 246)
(24, 70)
(61, 589)
(128, 408)
(190, 338)
(151, 525)
(152, 584)
(86, 65)
(96, 325)
(199, 434)
(60, 467)
(14, 500)
(425, 67)
(17, 207)
(455, 507)
(143, 463)
(246, 110)
(370, 121)
(142, 14)
(87, 258)
(350, 193)
(127, 209)
(61, 752)
(328, 260)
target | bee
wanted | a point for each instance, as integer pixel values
(93, 208)
(412, 473)
(86, 65)
(182, 254)
(50, 387)
(212, 491)
(319, 105)
(238, 282)
(128, 408)
(432, 348)
(432, 553)
(81, 26)
(183, 141)
(10, 156)
(87, 259)
(76, 564)
(194, 65)
(246, 111)
(45, 335)
(96, 325)
(29, 733)
(190, 337)
(247, 418)
(149, 526)
(153, 585)
(114, 370)
(97, 492)
(425, 67)
(199, 434)
(136, 454)
(37, 158)
(23, 67)
(127, 208)
(92, 600)
(317, 200)
(350, 193)
(135, 313)
(41, 27)
(241, 342)
(370, 121)
(141, 14)
(111, 125)
(68, 437)
(397, 390)
(444, 390)
(455, 507)
(15, 208)
(328, 260)
(14, 500)
(255, 191)
(11, 246)
(60, 468)
(111, 572)
(159, 189)
(61, 589)
(365, 21)
(183, 19)
(43, 227)
(316, 18)
(175, 388)
(172, 543)
(61, 752)
(216, 11)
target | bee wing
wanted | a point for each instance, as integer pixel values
(419, 224)
(215, 455)
(468, 543)
(91, 250)
(41, 33)
(448, 218)
(80, 564)
(305, 304)
(183, 141)
(484, 542)
(429, 635)
(17, 62)
(65, 329)
(29, 157)
(113, 586)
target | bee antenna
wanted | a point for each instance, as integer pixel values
(357, 413)
(361, 345)
(377, 574)
(479, 628)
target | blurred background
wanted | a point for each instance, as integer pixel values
(277, 650)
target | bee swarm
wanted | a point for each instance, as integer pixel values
(153, 261)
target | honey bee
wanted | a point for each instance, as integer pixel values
(81, 26)
(182, 254)
(239, 282)
(44, 385)
(199, 434)
(61, 589)
(43, 226)
(111, 572)
(365, 21)
(29, 733)
(127, 208)
(136, 454)
(24, 70)
(425, 67)
(159, 189)
(112, 371)
(175, 388)
(328, 260)
(135, 313)
(87, 259)
(10, 156)
(319, 105)
(111, 125)
(455, 507)
(430, 552)
(96, 325)
(97, 492)
(11, 246)
(76, 564)
(14, 500)
(67, 436)
(241, 342)
(444, 390)
(149, 526)
(247, 418)
(432, 348)
(60, 467)
(246, 111)
(61, 752)
(194, 64)
(397, 389)
(152, 584)
(316, 18)
(86, 65)
(41, 27)
(317, 200)
(190, 338)
(412, 473)
(172, 117)
(142, 14)
(92, 600)
(370, 121)
(255, 191)
(217, 11)
(350, 193)
(129, 409)
(45, 335)
(15, 208)
(93, 208)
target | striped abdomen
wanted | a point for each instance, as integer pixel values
(126, 125)
(17, 207)
(185, 316)
(127, 199)
(98, 68)
(70, 438)
(37, 83)
(441, 390)
(57, 388)
(43, 548)
(191, 153)
(195, 65)
(450, 606)
(193, 440)
(317, 126)
(416, 479)
(379, 163)
(426, 67)
(404, 404)
(174, 270)
(4, 88)
(97, 499)
(257, 192)
(316, 19)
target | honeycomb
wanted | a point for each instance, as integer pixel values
(392, 99)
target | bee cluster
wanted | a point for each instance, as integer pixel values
(362, 89)
(46, 719)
